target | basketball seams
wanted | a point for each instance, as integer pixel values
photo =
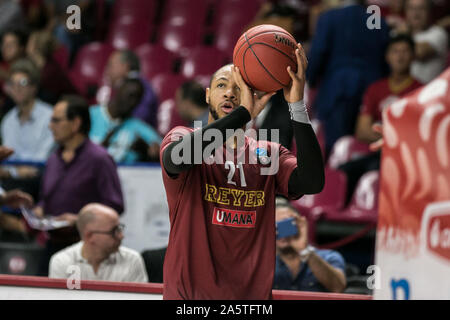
(257, 34)
(276, 49)
(259, 61)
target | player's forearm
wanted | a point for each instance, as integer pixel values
(331, 278)
(235, 120)
(308, 177)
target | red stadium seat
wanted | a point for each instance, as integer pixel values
(165, 85)
(89, 65)
(202, 61)
(138, 8)
(182, 12)
(168, 117)
(230, 19)
(345, 149)
(177, 38)
(331, 199)
(128, 33)
(61, 56)
(363, 208)
(154, 60)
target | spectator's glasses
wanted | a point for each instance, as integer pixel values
(21, 83)
(114, 232)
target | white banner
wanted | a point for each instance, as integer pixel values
(146, 215)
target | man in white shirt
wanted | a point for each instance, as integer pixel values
(25, 127)
(431, 41)
(99, 255)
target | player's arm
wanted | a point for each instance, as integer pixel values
(309, 176)
(250, 107)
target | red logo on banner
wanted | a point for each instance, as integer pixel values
(438, 239)
(234, 218)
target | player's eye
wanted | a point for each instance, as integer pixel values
(220, 85)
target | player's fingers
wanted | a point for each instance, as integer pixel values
(292, 74)
(302, 61)
(238, 78)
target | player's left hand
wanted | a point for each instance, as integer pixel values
(295, 91)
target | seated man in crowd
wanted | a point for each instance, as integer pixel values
(121, 65)
(126, 138)
(399, 56)
(25, 127)
(300, 266)
(431, 40)
(99, 254)
(77, 173)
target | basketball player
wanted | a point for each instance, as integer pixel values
(222, 215)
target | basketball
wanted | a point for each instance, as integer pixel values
(262, 54)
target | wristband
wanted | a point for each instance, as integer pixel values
(305, 253)
(298, 112)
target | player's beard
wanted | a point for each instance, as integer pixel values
(213, 113)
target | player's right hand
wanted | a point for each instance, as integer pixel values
(248, 98)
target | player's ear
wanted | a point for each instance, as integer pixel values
(208, 92)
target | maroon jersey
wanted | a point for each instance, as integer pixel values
(222, 216)
(380, 95)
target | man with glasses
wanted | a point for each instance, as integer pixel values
(79, 172)
(25, 127)
(99, 255)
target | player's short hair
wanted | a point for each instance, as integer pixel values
(401, 37)
(77, 106)
(130, 58)
(193, 91)
(215, 73)
(27, 67)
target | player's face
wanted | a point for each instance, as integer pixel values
(399, 57)
(224, 95)
(416, 12)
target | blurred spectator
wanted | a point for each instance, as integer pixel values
(25, 127)
(431, 40)
(190, 101)
(126, 138)
(10, 15)
(300, 266)
(77, 173)
(11, 226)
(399, 55)
(53, 81)
(394, 13)
(316, 10)
(73, 39)
(34, 13)
(123, 64)
(13, 42)
(345, 57)
(280, 15)
(99, 255)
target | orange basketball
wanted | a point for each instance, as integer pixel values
(262, 54)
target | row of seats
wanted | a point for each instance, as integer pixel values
(91, 60)
(329, 205)
(183, 23)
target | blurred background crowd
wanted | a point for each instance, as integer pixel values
(140, 67)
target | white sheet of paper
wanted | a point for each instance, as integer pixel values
(45, 223)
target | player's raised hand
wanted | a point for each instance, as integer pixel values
(295, 90)
(249, 99)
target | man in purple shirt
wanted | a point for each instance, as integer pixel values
(77, 173)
